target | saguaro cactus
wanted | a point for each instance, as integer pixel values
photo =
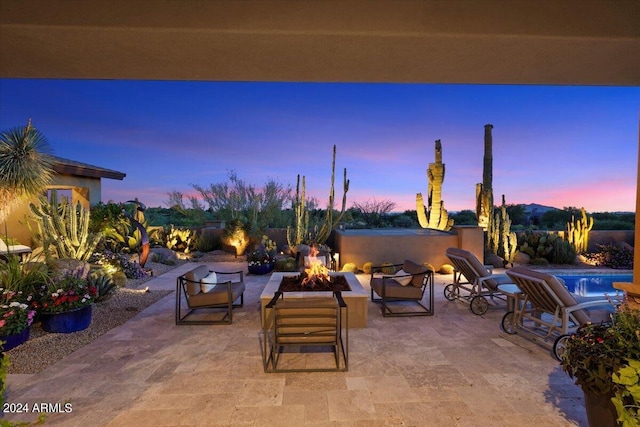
(504, 242)
(434, 215)
(329, 221)
(300, 230)
(578, 232)
(484, 190)
(66, 227)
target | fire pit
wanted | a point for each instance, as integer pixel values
(305, 283)
(315, 277)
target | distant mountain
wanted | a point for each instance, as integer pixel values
(534, 208)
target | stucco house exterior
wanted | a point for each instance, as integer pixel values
(84, 181)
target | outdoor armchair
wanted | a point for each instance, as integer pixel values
(480, 281)
(202, 290)
(403, 288)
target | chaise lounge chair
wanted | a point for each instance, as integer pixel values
(546, 312)
(13, 249)
(481, 282)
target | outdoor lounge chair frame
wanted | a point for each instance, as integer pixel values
(539, 313)
(20, 251)
(386, 302)
(306, 322)
(478, 285)
(228, 306)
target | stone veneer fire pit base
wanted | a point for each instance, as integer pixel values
(356, 299)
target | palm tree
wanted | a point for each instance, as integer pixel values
(26, 166)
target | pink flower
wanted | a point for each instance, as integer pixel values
(2, 322)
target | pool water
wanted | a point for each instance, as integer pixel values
(597, 284)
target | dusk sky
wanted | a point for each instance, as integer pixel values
(553, 145)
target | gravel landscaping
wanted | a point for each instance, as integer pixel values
(43, 348)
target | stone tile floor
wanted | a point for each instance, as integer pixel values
(451, 369)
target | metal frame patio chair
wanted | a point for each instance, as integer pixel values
(303, 323)
(408, 283)
(219, 295)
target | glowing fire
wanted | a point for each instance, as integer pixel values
(316, 271)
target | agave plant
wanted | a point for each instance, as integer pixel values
(104, 285)
(26, 167)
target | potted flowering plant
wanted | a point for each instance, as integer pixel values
(595, 352)
(65, 304)
(262, 260)
(15, 320)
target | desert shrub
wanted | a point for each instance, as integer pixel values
(366, 267)
(207, 242)
(349, 268)
(119, 279)
(612, 256)
(429, 266)
(446, 269)
(387, 268)
(286, 264)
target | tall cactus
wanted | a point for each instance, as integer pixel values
(484, 190)
(66, 227)
(578, 232)
(330, 222)
(434, 215)
(504, 242)
(300, 230)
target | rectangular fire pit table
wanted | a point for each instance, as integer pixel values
(356, 299)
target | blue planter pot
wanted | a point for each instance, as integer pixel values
(67, 321)
(12, 341)
(261, 269)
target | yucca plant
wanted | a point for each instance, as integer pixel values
(26, 166)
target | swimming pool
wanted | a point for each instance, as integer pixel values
(593, 284)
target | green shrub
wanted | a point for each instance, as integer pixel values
(286, 264)
(612, 256)
(446, 269)
(429, 266)
(119, 279)
(349, 268)
(207, 242)
(387, 268)
(366, 267)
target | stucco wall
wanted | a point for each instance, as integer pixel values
(396, 245)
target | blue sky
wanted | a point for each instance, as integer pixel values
(553, 145)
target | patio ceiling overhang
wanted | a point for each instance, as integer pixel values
(567, 42)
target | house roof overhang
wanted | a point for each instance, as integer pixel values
(72, 167)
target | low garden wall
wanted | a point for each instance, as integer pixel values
(395, 245)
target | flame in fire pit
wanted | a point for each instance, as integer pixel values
(316, 272)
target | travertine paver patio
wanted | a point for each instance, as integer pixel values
(452, 369)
